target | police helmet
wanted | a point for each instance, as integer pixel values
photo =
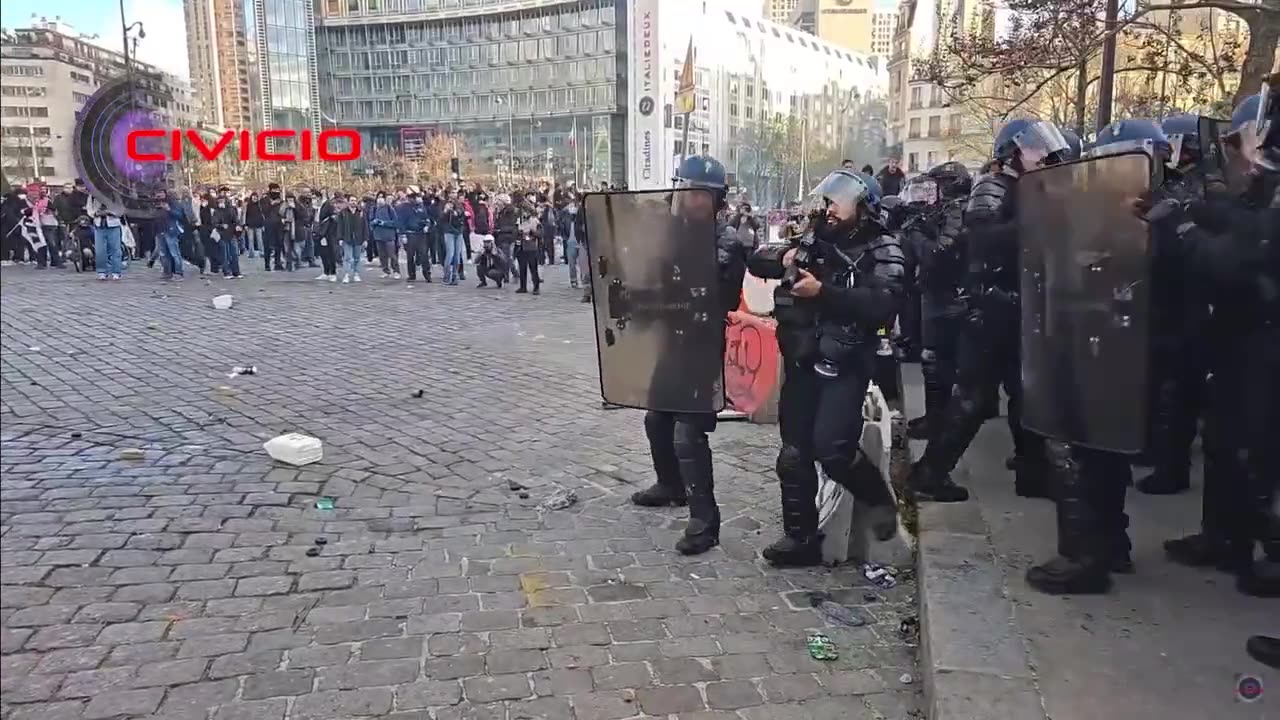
(953, 179)
(875, 194)
(704, 171)
(1074, 147)
(1245, 116)
(1036, 141)
(1137, 134)
(1183, 132)
(846, 190)
(919, 190)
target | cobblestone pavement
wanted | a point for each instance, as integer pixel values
(201, 582)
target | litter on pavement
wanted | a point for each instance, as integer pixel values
(559, 500)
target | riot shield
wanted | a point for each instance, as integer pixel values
(659, 317)
(1211, 131)
(1085, 294)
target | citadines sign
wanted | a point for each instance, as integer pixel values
(645, 110)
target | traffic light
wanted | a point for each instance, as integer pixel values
(455, 167)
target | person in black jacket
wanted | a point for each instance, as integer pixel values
(224, 230)
(505, 232)
(452, 221)
(840, 285)
(273, 228)
(253, 224)
(212, 248)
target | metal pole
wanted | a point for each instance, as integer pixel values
(31, 137)
(511, 138)
(1106, 83)
(684, 140)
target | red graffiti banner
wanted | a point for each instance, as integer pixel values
(750, 361)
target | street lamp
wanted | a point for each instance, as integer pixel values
(511, 132)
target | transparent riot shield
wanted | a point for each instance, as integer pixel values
(1211, 132)
(659, 318)
(1085, 292)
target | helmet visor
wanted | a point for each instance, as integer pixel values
(841, 191)
(1176, 143)
(920, 192)
(1038, 141)
(1158, 151)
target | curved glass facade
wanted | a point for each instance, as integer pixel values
(528, 85)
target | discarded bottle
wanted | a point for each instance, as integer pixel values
(821, 647)
(243, 370)
(324, 503)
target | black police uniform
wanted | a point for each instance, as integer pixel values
(987, 351)
(1179, 354)
(820, 417)
(678, 441)
(1230, 242)
(941, 280)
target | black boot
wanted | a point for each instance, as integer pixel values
(1082, 566)
(693, 453)
(1262, 579)
(659, 495)
(864, 481)
(1265, 650)
(801, 544)
(1202, 550)
(928, 486)
(1031, 478)
(669, 491)
(1164, 483)
(790, 552)
(918, 428)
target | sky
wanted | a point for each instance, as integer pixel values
(165, 45)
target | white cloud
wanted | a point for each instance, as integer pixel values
(166, 43)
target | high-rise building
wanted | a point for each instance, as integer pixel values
(218, 58)
(779, 11)
(884, 23)
(846, 23)
(49, 72)
(528, 87)
(253, 63)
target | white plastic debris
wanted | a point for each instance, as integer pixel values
(223, 302)
(561, 499)
(294, 449)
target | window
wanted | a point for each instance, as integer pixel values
(953, 124)
(22, 91)
(913, 128)
(933, 158)
(80, 97)
(915, 98)
(913, 162)
(81, 78)
(935, 127)
(24, 70)
(25, 111)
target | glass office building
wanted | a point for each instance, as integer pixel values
(283, 49)
(529, 85)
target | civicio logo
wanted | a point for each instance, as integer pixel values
(146, 145)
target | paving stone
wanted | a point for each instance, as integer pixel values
(683, 671)
(59, 636)
(497, 687)
(277, 684)
(621, 676)
(603, 706)
(197, 699)
(732, 695)
(132, 633)
(123, 702)
(65, 710)
(670, 699)
(245, 663)
(513, 661)
(428, 693)
(329, 704)
(368, 674)
(257, 710)
(170, 672)
(71, 660)
(392, 649)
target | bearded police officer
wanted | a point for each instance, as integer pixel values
(678, 440)
(841, 282)
(988, 347)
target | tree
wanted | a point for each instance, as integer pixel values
(1052, 51)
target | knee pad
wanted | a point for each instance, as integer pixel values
(790, 460)
(968, 399)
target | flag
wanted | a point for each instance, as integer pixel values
(687, 93)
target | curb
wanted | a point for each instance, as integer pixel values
(975, 663)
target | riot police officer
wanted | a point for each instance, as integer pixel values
(1090, 483)
(1075, 147)
(938, 237)
(841, 282)
(1229, 242)
(678, 441)
(1179, 315)
(987, 355)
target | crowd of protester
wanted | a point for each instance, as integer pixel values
(506, 234)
